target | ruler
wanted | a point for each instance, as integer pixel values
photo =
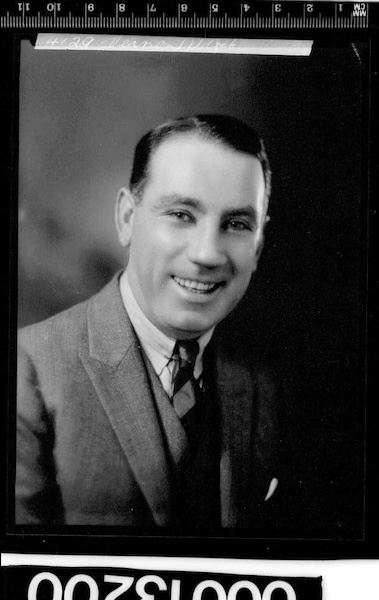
(134, 15)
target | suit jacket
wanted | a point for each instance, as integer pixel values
(90, 448)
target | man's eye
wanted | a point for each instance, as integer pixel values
(180, 215)
(237, 226)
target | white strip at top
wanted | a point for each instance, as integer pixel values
(159, 43)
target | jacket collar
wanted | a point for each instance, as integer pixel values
(115, 366)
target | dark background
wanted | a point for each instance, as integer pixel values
(81, 114)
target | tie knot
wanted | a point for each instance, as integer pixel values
(187, 351)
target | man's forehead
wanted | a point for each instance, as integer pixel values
(195, 156)
(209, 175)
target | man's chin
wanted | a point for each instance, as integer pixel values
(189, 328)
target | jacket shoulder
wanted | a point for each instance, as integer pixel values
(239, 354)
(67, 330)
(67, 325)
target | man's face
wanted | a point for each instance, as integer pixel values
(196, 234)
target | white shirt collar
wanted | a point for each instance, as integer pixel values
(158, 346)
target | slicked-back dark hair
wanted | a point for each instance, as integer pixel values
(229, 131)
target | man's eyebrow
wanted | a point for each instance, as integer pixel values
(171, 199)
(245, 211)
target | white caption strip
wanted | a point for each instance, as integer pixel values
(347, 579)
(141, 43)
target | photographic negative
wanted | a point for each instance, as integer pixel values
(287, 456)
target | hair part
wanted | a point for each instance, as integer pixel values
(229, 131)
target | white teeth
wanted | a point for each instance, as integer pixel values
(195, 286)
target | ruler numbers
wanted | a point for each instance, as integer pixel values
(133, 14)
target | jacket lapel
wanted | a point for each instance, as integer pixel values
(115, 366)
(234, 387)
(246, 396)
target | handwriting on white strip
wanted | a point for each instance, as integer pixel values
(140, 43)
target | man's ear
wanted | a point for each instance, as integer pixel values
(258, 250)
(124, 216)
(261, 243)
(260, 246)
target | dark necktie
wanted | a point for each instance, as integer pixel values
(185, 387)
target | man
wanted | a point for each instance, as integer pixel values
(132, 409)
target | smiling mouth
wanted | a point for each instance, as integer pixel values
(197, 287)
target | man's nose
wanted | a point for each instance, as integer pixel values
(206, 247)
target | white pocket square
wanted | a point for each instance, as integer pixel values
(272, 487)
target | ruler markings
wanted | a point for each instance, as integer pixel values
(358, 18)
